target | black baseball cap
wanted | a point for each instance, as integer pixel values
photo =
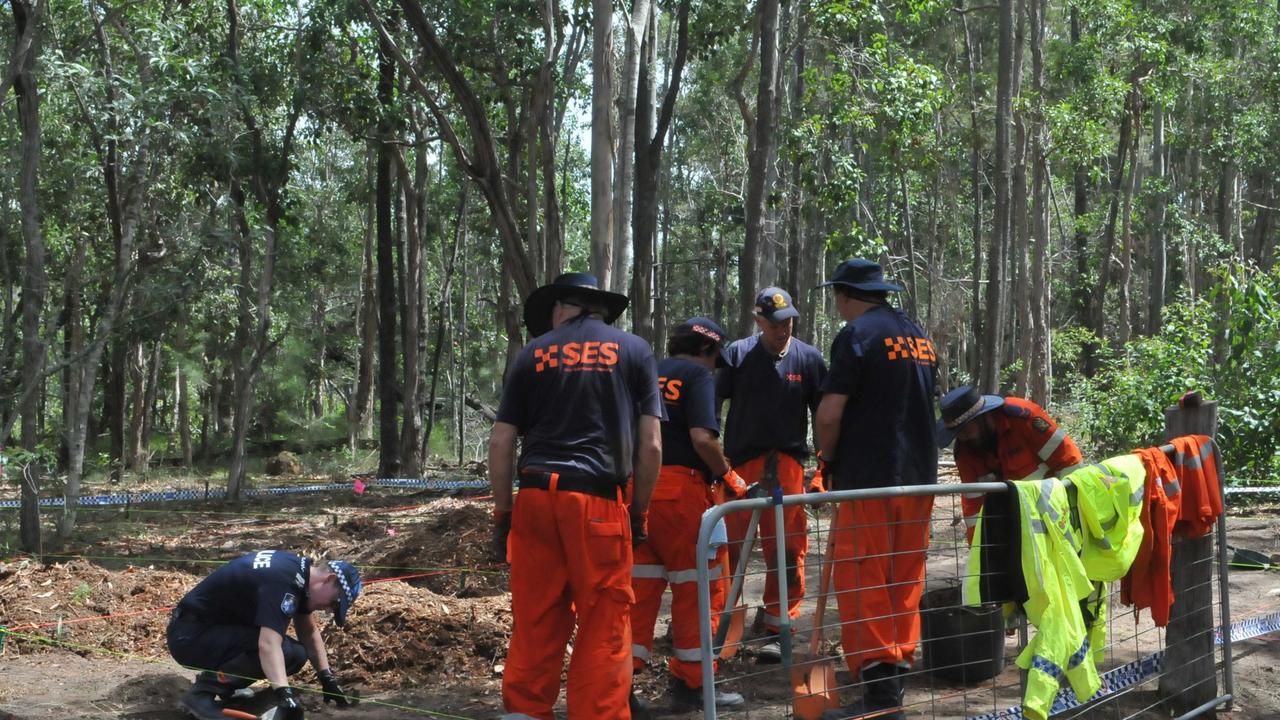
(710, 329)
(775, 305)
(861, 274)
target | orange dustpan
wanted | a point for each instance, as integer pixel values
(813, 680)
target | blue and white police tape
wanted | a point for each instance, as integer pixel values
(161, 496)
(1142, 669)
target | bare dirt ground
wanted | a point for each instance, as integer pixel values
(428, 636)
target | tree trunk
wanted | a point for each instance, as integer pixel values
(602, 247)
(184, 415)
(137, 405)
(648, 168)
(974, 360)
(629, 128)
(445, 310)
(1125, 281)
(26, 19)
(993, 330)
(766, 125)
(1097, 321)
(1019, 340)
(360, 412)
(1039, 367)
(388, 397)
(149, 397)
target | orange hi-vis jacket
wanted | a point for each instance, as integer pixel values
(1182, 494)
(1029, 446)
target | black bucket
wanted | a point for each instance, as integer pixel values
(961, 644)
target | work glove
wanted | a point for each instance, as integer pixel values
(333, 692)
(734, 486)
(501, 529)
(818, 482)
(639, 527)
(288, 707)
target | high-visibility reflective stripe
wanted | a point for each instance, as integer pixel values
(1172, 487)
(1068, 470)
(688, 654)
(1079, 655)
(1037, 526)
(1109, 525)
(639, 651)
(973, 496)
(1103, 543)
(1051, 445)
(1039, 473)
(676, 577)
(1042, 502)
(649, 572)
(971, 521)
(1136, 498)
(1047, 666)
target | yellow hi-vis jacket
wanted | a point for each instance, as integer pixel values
(1109, 498)
(1056, 583)
(1109, 501)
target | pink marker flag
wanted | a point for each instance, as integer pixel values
(358, 486)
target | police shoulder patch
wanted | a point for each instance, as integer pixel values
(288, 604)
(1015, 410)
(1040, 424)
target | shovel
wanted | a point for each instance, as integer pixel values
(733, 619)
(1247, 559)
(813, 681)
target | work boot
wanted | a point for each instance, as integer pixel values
(881, 696)
(639, 708)
(686, 698)
(201, 700)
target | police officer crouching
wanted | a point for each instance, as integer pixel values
(231, 627)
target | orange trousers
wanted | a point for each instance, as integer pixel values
(669, 557)
(879, 577)
(570, 559)
(796, 539)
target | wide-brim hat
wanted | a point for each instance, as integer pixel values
(537, 307)
(861, 274)
(349, 580)
(959, 407)
(712, 331)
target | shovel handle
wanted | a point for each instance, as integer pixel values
(824, 584)
(739, 576)
(238, 714)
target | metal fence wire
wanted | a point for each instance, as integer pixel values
(964, 665)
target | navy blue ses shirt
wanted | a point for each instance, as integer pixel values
(770, 399)
(886, 365)
(575, 394)
(689, 396)
(262, 589)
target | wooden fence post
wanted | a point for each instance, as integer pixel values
(1189, 680)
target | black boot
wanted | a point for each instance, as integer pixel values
(882, 690)
(639, 708)
(201, 700)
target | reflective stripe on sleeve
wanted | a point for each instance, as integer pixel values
(1051, 445)
(640, 652)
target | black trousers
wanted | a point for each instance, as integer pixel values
(230, 649)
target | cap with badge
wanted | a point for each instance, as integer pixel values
(861, 274)
(710, 329)
(349, 580)
(775, 305)
(959, 407)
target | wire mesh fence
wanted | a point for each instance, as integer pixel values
(886, 571)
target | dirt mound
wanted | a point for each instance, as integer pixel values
(444, 547)
(401, 636)
(63, 603)
(285, 463)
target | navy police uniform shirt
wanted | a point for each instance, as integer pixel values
(886, 365)
(689, 396)
(575, 394)
(263, 589)
(770, 399)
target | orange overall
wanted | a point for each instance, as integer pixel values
(879, 576)
(791, 478)
(669, 557)
(570, 556)
(1029, 446)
